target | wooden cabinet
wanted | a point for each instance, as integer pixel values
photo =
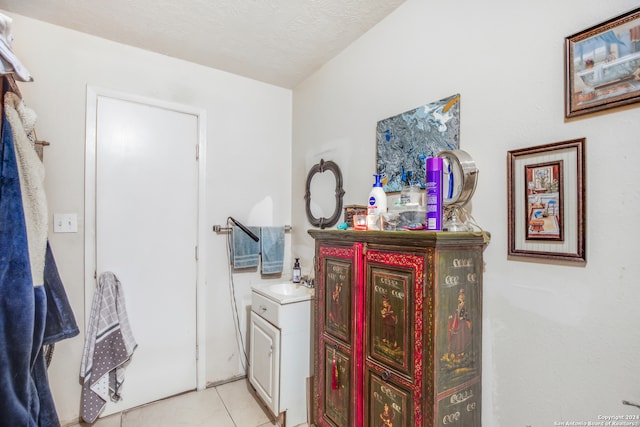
(398, 328)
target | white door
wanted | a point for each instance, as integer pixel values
(145, 230)
(264, 359)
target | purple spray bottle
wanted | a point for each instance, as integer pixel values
(434, 194)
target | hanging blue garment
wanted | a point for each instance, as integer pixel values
(61, 322)
(25, 398)
(43, 410)
(17, 303)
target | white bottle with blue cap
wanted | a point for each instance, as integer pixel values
(377, 205)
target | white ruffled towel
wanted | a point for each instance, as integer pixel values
(109, 345)
(9, 62)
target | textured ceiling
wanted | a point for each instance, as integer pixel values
(275, 41)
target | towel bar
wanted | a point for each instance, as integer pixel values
(221, 229)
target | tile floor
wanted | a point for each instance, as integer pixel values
(229, 405)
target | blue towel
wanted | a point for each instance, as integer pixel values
(245, 250)
(25, 397)
(60, 322)
(272, 249)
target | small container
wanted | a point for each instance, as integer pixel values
(360, 222)
(297, 274)
(390, 221)
(411, 196)
(373, 222)
(350, 211)
(434, 194)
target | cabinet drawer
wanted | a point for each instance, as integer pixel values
(266, 308)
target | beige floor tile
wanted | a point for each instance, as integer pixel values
(229, 405)
(196, 409)
(244, 407)
(110, 421)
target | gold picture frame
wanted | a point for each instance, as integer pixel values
(602, 66)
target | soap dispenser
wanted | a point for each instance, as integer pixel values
(296, 271)
(377, 204)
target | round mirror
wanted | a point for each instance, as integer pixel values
(459, 177)
(322, 199)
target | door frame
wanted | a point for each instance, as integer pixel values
(93, 93)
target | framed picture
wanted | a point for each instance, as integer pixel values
(602, 66)
(546, 201)
(404, 142)
(544, 198)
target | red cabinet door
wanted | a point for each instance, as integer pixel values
(338, 371)
(394, 327)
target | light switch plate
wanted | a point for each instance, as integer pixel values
(65, 223)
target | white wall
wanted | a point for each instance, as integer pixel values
(561, 342)
(248, 141)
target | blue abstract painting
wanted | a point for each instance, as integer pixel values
(404, 142)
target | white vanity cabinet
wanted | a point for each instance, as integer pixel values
(279, 355)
